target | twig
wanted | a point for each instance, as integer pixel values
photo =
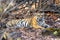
(5, 12)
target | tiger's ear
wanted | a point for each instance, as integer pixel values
(38, 15)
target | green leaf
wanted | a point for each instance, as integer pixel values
(1, 9)
(55, 33)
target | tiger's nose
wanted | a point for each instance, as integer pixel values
(45, 26)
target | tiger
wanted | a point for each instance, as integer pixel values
(37, 21)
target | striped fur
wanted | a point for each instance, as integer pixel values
(28, 22)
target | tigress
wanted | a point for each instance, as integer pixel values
(36, 21)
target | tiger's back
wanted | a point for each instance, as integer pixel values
(17, 22)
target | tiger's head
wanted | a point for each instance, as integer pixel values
(41, 20)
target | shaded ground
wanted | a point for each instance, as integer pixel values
(29, 34)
